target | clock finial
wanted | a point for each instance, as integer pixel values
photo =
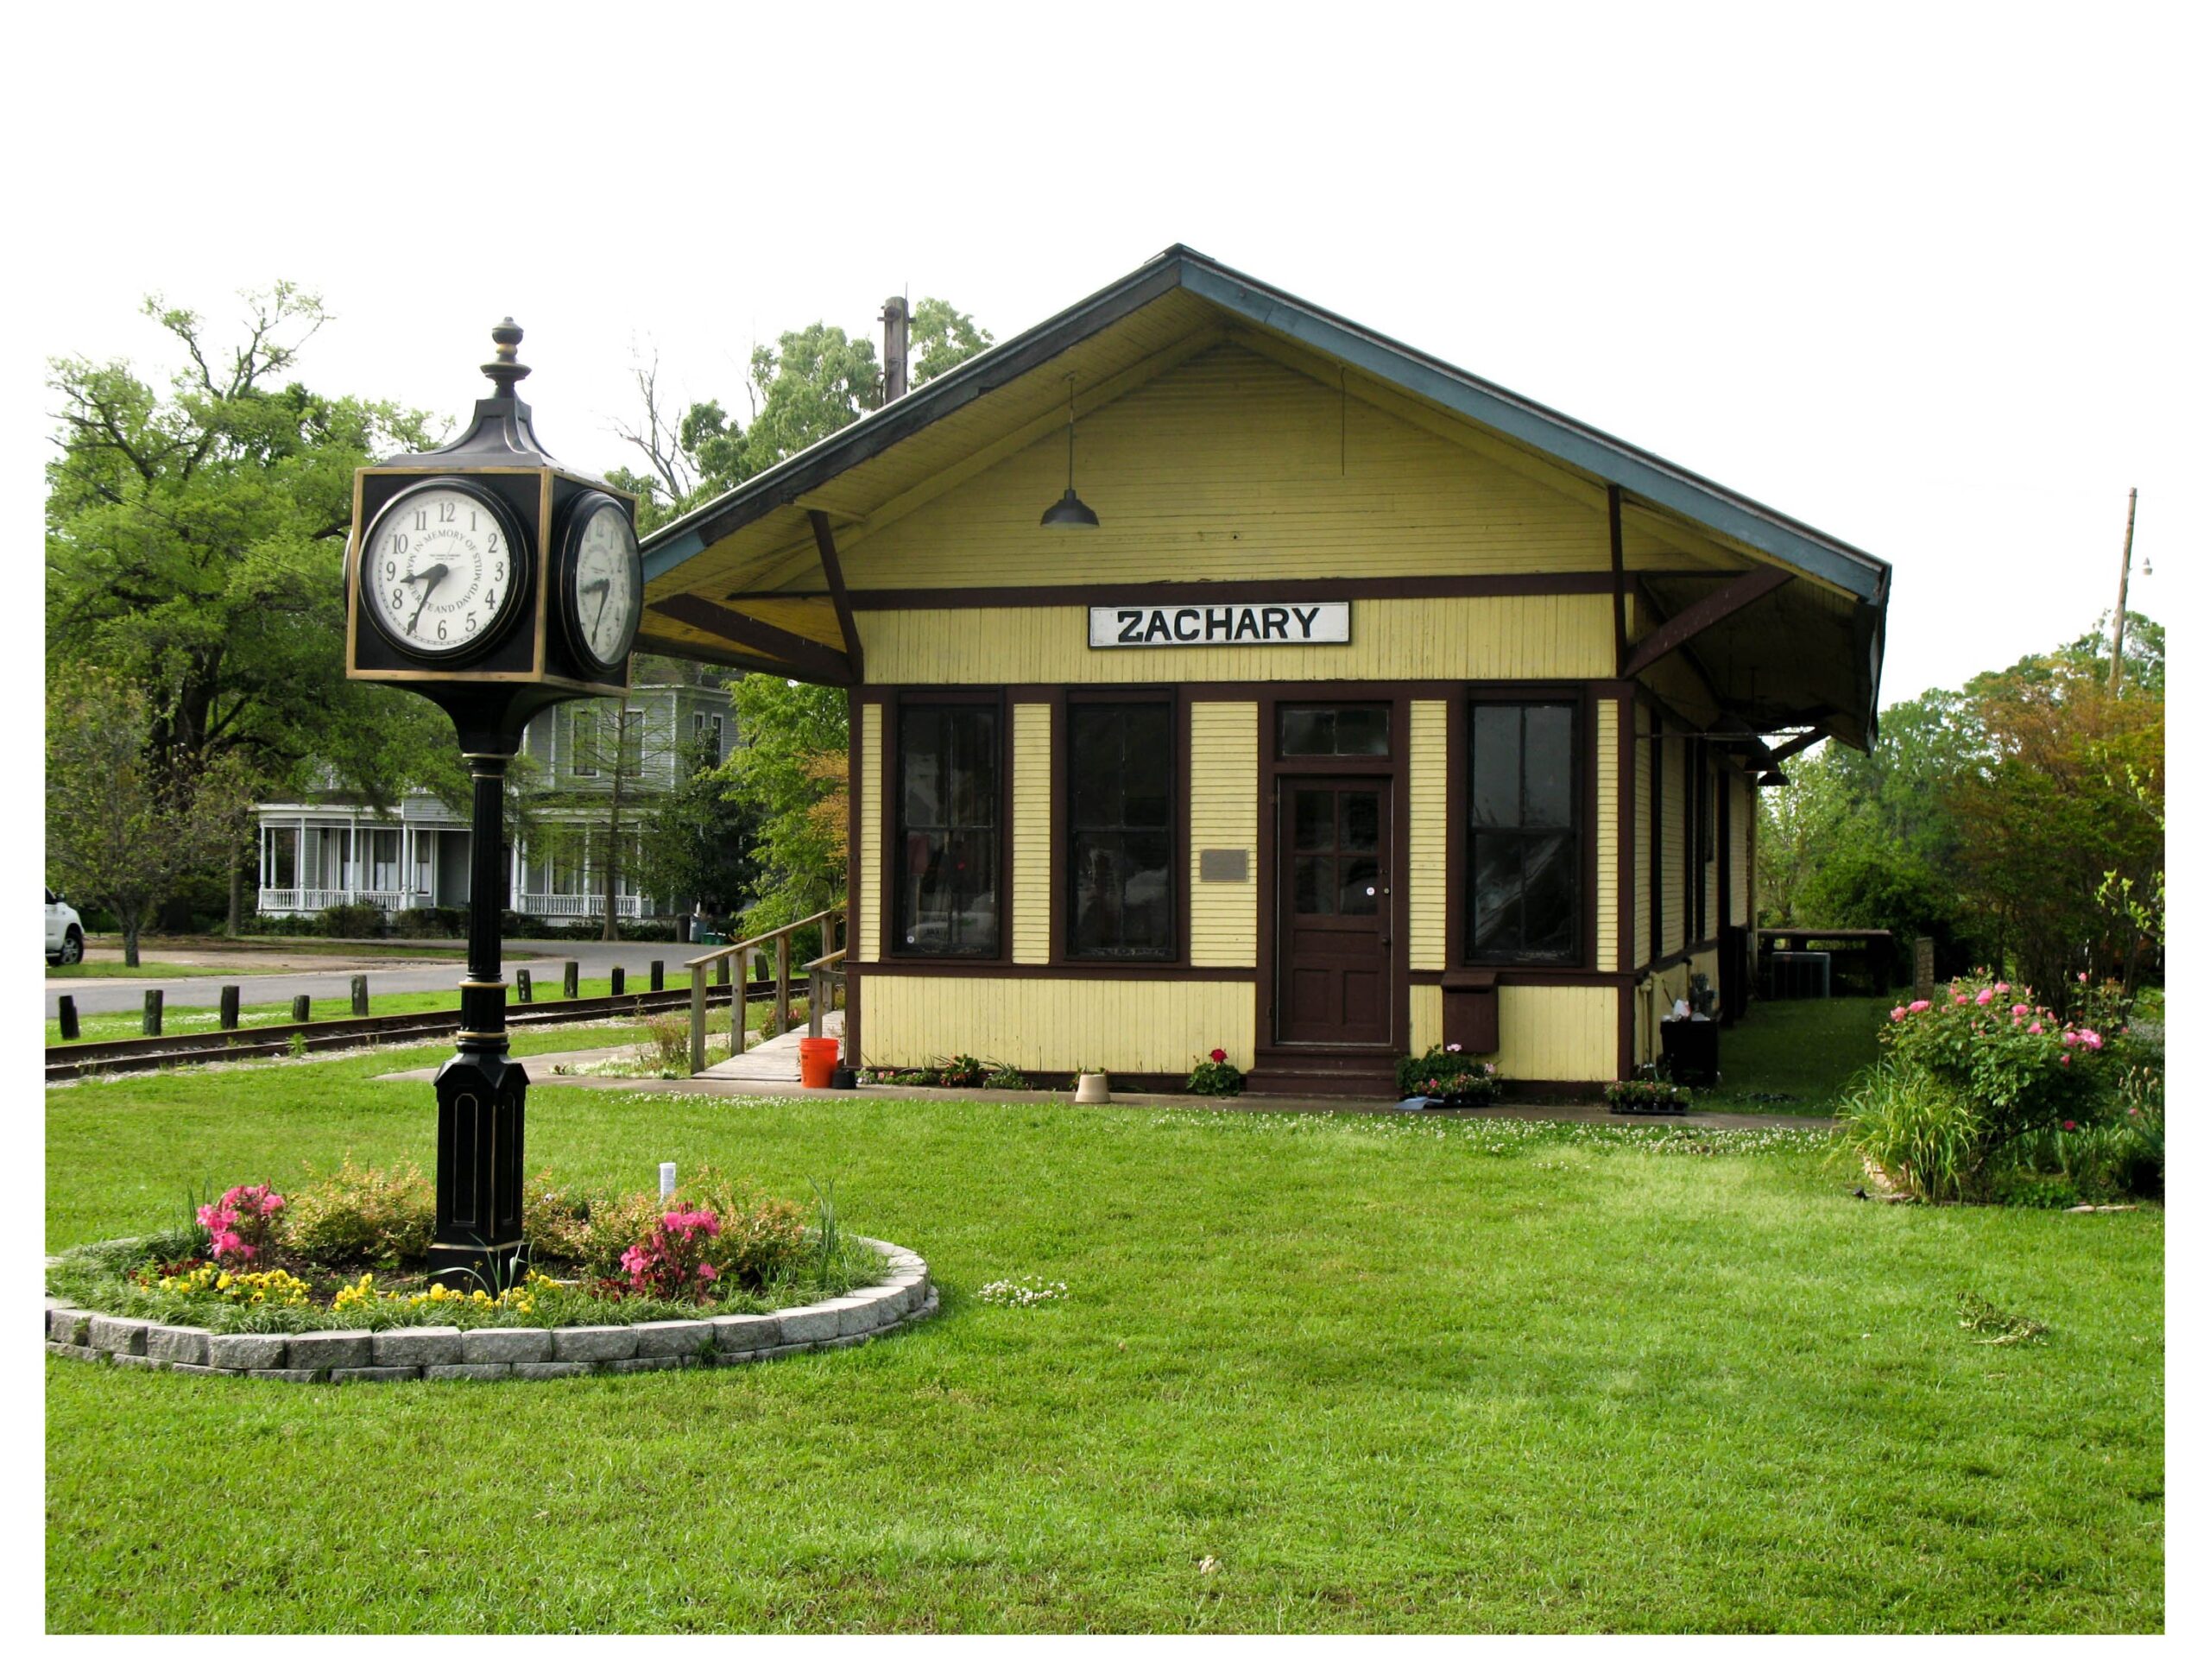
(503, 369)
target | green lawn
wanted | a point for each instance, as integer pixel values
(155, 971)
(205, 1017)
(1387, 1374)
(1795, 1058)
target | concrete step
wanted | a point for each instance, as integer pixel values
(1361, 1079)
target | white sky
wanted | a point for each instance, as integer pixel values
(1924, 277)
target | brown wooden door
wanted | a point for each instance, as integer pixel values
(1332, 984)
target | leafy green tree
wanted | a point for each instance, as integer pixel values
(790, 777)
(124, 828)
(697, 846)
(194, 544)
(810, 384)
(941, 339)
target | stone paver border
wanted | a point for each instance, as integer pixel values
(438, 1352)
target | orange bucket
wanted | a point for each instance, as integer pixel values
(817, 1060)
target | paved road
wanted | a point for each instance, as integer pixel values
(95, 996)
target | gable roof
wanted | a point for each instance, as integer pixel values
(1141, 315)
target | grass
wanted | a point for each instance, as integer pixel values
(205, 1018)
(1387, 1373)
(338, 951)
(154, 971)
(1796, 1057)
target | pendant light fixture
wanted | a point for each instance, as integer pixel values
(1070, 509)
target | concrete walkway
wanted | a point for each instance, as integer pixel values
(775, 1062)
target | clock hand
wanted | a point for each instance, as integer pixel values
(605, 588)
(430, 577)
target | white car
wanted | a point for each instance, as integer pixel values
(65, 931)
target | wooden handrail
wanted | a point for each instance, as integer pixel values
(824, 960)
(740, 954)
(716, 955)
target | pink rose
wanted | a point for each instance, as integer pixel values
(2083, 977)
(1897, 1013)
(2071, 1038)
(2035, 1029)
(1985, 997)
(1219, 1056)
(2003, 986)
(1920, 1006)
(2018, 1009)
(2090, 1037)
(2065, 1061)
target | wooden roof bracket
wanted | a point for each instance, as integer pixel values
(832, 569)
(793, 655)
(1721, 603)
(1811, 738)
(1619, 582)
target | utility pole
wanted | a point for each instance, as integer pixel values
(2125, 569)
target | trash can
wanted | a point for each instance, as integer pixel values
(817, 1062)
(1691, 1050)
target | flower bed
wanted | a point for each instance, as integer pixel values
(1646, 1096)
(1449, 1079)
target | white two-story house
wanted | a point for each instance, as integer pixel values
(329, 848)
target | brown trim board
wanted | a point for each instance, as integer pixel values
(1233, 591)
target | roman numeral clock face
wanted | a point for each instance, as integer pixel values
(438, 570)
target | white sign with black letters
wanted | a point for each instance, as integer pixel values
(1280, 622)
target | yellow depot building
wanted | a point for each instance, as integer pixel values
(1226, 675)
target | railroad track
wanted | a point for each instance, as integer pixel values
(81, 1057)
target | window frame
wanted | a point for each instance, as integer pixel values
(1176, 831)
(893, 948)
(584, 761)
(1581, 766)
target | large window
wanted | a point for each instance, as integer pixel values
(1524, 843)
(948, 865)
(1121, 776)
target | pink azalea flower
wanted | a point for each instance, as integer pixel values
(2065, 1061)
(1920, 1006)
(2071, 1038)
(2018, 1009)
(2035, 1029)
(2090, 1037)
(1985, 997)
(2003, 986)
(1897, 1013)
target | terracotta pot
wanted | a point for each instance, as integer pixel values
(1092, 1087)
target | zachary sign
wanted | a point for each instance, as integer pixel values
(1219, 627)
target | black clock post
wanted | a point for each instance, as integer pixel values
(465, 583)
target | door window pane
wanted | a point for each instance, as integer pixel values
(1121, 774)
(1524, 897)
(948, 853)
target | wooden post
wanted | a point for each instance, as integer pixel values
(660, 975)
(521, 985)
(569, 979)
(360, 995)
(614, 979)
(229, 1007)
(302, 1005)
(2124, 567)
(68, 1012)
(1922, 968)
(150, 1022)
(782, 1021)
(699, 1018)
(721, 972)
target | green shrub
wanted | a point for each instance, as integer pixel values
(1004, 1077)
(352, 921)
(380, 1217)
(962, 1073)
(1918, 1130)
(1415, 1074)
(1215, 1076)
(433, 921)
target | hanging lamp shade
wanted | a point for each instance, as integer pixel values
(1772, 778)
(1070, 509)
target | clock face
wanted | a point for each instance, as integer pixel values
(604, 582)
(437, 570)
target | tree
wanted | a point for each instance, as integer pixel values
(123, 828)
(942, 337)
(813, 383)
(194, 549)
(790, 775)
(696, 847)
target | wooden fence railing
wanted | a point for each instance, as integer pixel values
(739, 955)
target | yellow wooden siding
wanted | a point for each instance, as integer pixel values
(1673, 774)
(1468, 638)
(1607, 834)
(869, 772)
(1642, 807)
(1224, 814)
(1429, 848)
(1710, 797)
(1426, 1025)
(1231, 464)
(1126, 1026)
(1552, 1032)
(1032, 855)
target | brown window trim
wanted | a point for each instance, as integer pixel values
(1583, 697)
(1062, 957)
(893, 707)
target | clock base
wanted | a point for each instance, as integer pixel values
(480, 1097)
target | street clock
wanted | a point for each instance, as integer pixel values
(489, 577)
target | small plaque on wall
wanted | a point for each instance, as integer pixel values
(1217, 864)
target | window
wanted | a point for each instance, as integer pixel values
(1332, 731)
(948, 842)
(1525, 842)
(1121, 776)
(706, 726)
(633, 744)
(583, 742)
